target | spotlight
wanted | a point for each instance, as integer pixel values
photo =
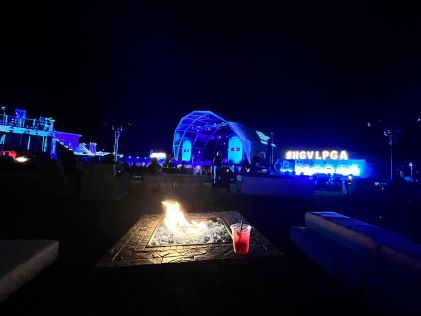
(21, 159)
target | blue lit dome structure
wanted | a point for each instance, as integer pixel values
(200, 134)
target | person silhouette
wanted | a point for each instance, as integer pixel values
(216, 167)
(169, 162)
(255, 164)
(155, 167)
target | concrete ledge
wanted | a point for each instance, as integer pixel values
(344, 265)
(402, 260)
(356, 235)
(383, 265)
(22, 260)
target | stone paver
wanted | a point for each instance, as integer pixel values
(133, 248)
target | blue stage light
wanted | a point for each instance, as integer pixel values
(186, 150)
(235, 150)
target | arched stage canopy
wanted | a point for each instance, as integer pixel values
(207, 132)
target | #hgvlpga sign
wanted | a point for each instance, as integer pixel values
(317, 154)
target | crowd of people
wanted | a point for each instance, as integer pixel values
(168, 166)
(220, 171)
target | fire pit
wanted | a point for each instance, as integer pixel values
(175, 230)
(173, 238)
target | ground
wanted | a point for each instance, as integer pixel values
(290, 283)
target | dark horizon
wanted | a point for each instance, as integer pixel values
(315, 75)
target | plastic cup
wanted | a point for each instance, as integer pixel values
(241, 238)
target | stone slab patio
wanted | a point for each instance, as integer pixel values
(133, 249)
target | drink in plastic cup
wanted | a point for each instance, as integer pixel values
(241, 238)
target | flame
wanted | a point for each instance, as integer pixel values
(177, 223)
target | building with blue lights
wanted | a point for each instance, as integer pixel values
(28, 136)
(200, 134)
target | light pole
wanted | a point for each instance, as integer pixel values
(391, 131)
(391, 134)
(117, 128)
(4, 115)
(410, 166)
(117, 132)
(271, 148)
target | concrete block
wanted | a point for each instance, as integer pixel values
(346, 266)
(21, 260)
(356, 235)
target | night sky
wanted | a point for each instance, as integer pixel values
(314, 74)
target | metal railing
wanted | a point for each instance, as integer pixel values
(42, 124)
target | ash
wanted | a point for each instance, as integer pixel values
(216, 232)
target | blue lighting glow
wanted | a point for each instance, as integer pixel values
(263, 138)
(348, 167)
(177, 137)
(186, 150)
(235, 150)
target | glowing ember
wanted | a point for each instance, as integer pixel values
(177, 230)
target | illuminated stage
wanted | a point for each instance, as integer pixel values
(200, 134)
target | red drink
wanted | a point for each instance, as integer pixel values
(241, 238)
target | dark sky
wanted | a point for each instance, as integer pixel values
(314, 74)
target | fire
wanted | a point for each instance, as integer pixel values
(177, 223)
